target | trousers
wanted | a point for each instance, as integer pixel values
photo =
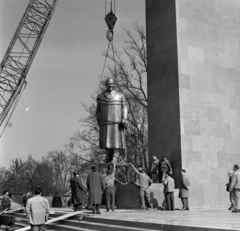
(185, 203)
(37, 227)
(110, 198)
(144, 194)
(169, 197)
(236, 197)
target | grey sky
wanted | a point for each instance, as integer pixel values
(64, 73)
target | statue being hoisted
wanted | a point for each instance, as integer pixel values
(112, 114)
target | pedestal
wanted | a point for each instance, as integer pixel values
(194, 92)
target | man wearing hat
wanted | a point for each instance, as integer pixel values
(77, 191)
(96, 186)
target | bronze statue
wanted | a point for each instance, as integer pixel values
(112, 114)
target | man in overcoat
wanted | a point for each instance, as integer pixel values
(235, 188)
(96, 186)
(111, 115)
(77, 191)
(57, 201)
(184, 190)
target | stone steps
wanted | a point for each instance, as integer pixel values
(89, 223)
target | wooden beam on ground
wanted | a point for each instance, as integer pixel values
(3, 211)
(14, 210)
(53, 220)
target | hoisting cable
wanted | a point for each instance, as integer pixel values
(110, 19)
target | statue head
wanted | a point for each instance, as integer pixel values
(109, 84)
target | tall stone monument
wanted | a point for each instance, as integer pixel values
(193, 51)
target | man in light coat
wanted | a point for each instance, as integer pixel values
(143, 181)
(38, 210)
(96, 186)
(235, 188)
(169, 187)
(184, 190)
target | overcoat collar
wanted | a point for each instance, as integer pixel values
(111, 95)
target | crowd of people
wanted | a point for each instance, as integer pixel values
(37, 207)
(104, 184)
(161, 172)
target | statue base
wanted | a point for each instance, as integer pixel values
(128, 197)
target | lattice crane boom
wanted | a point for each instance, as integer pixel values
(21, 52)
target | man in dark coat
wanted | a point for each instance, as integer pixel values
(164, 167)
(184, 190)
(77, 192)
(6, 201)
(57, 201)
(96, 186)
(25, 198)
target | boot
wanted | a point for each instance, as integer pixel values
(98, 209)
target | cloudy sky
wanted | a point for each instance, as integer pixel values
(64, 73)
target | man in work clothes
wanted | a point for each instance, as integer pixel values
(95, 184)
(110, 189)
(37, 209)
(235, 188)
(26, 197)
(154, 169)
(169, 187)
(77, 192)
(143, 181)
(164, 166)
(184, 190)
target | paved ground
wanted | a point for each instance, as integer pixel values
(207, 218)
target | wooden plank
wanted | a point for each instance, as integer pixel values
(3, 211)
(14, 210)
(54, 220)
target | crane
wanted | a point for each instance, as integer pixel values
(20, 54)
